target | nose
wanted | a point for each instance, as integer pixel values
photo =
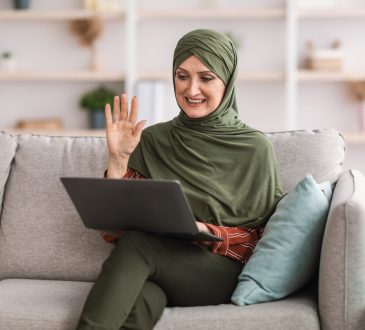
(193, 87)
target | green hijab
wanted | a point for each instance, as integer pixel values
(227, 169)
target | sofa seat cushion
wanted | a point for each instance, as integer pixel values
(298, 311)
(43, 305)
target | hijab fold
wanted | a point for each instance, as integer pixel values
(227, 169)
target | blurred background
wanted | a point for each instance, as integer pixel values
(300, 62)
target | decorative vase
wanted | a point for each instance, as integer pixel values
(95, 59)
(97, 119)
(7, 62)
(21, 4)
(209, 4)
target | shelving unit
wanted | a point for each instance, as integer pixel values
(332, 13)
(241, 77)
(216, 14)
(298, 16)
(33, 15)
(311, 76)
(132, 15)
(74, 75)
(57, 75)
(220, 14)
(28, 76)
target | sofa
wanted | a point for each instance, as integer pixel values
(49, 260)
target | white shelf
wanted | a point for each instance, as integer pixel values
(240, 13)
(261, 77)
(344, 12)
(313, 76)
(58, 132)
(31, 15)
(60, 76)
(242, 77)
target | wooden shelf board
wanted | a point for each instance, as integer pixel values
(58, 132)
(260, 76)
(308, 75)
(60, 76)
(242, 77)
(34, 15)
(337, 12)
(238, 13)
(154, 75)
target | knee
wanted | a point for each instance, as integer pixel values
(154, 297)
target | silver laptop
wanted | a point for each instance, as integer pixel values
(156, 206)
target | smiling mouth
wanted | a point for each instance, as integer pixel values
(194, 101)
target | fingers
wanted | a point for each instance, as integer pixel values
(124, 112)
(116, 108)
(108, 116)
(133, 114)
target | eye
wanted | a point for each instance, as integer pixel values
(206, 78)
(181, 76)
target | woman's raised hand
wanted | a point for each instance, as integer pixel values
(122, 132)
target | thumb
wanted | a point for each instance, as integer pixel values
(139, 126)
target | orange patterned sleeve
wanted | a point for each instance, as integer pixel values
(238, 243)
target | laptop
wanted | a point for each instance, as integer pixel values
(155, 206)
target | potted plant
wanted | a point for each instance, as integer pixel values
(21, 4)
(88, 31)
(95, 101)
(7, 61)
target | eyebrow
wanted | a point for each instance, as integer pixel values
(208, 71)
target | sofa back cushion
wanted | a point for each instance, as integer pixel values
(317, 152)
(41, 233)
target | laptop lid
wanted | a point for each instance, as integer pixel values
(158, 206)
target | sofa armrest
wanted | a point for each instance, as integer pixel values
(342, 266)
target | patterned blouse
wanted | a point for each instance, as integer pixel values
(238, 242)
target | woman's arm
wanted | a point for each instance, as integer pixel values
(238, 243)
(122, 133)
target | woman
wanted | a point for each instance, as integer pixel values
(228, 172)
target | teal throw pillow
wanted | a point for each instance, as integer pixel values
(288, 253)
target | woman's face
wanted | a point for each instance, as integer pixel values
(198, 90)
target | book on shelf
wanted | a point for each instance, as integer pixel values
(156, 102)
(45, 123)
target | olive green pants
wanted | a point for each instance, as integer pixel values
(146, 272)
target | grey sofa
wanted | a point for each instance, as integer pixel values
(48, 260)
